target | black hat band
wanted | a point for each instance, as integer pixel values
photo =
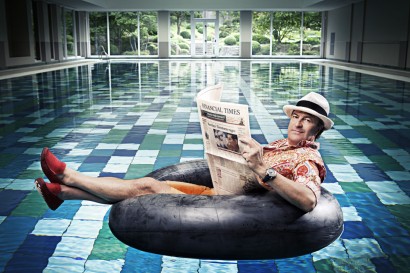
(313, 106)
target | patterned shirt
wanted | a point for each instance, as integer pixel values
(301, 163)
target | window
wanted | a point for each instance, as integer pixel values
(280, 33)
(98, 33)
(68, 37)
(229, 33)
(180, 33)
(130, 33)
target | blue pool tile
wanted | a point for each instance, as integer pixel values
(133, 261)
(124, 152)
(356, 229)
(97, 159)
(66, 211)
(192, 153)
(91, 167)
(370, 172)
(395, 245)
(13, 232)
(171, 147)
(370, 149)
(383, 265)
(33, 254)
(343, 200)
(165, 161)
(260, 138)
(298, 264)
(268, 266)
(133, 138)
(10, 199)
(117, 175)
(382, 227)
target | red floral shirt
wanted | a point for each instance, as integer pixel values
(302, 163)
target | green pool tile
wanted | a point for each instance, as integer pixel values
(152, 142)
(401, 263)
(160, 125)
(345, 147)
(108, 249)
(105, 232)
(47, 142)
(401, 212)
(334, 160)
(138, 170)
(113, 139)
(375, 137)
(5, 159)
(386, 163)
(193, 141)
(354, 187)
(27, 174)
(324, 265)
(169, 153)
(32, 205)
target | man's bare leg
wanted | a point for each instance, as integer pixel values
(110, 189)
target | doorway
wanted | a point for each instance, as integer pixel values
(205, 43)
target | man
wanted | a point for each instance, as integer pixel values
(292, 167)
(232, 142)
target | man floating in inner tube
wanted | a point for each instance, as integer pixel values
(292, 167)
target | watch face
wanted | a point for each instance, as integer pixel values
(271, 172)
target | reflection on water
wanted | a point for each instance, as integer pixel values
(143, 114)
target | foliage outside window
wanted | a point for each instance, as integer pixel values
(69, 32)
(98, 33)
(229, 33)
(131, 33)
(279, 33)
(180, 33)
(311, 33)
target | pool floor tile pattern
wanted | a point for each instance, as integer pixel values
(128, 119)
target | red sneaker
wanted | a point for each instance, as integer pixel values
(51, 166)
(52, 201)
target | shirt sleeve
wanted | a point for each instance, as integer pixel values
(307, 173)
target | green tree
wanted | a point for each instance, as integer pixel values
(178, 17)
(283, 24)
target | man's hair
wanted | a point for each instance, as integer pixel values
(235, 137)
(320, 128)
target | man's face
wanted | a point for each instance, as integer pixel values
(302, 126)
(232, 143)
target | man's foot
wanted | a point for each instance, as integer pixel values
(51, 166)
(49, 191)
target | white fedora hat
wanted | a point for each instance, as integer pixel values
(314, 104)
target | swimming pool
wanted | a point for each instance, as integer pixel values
(125, 119)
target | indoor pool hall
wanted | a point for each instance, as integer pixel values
(127, 118)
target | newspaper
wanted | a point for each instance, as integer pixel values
(222, 124)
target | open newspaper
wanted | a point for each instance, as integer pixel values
(222, 124)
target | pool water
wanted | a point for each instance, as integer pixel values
(126, 119)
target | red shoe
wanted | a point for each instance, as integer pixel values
(52, 201)
(51, 166)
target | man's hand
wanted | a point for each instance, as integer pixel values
(252, 152)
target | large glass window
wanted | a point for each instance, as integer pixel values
(69, 33)
(285, 33)
(312, 29)
(130, 33)
(98, 33)
(180, 33)
(229, 33)
(123, 33)
(148, 33)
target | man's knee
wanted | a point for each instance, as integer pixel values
(147, 185)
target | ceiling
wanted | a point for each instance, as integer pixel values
(174, 5)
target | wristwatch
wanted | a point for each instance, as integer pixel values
(270, 174)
